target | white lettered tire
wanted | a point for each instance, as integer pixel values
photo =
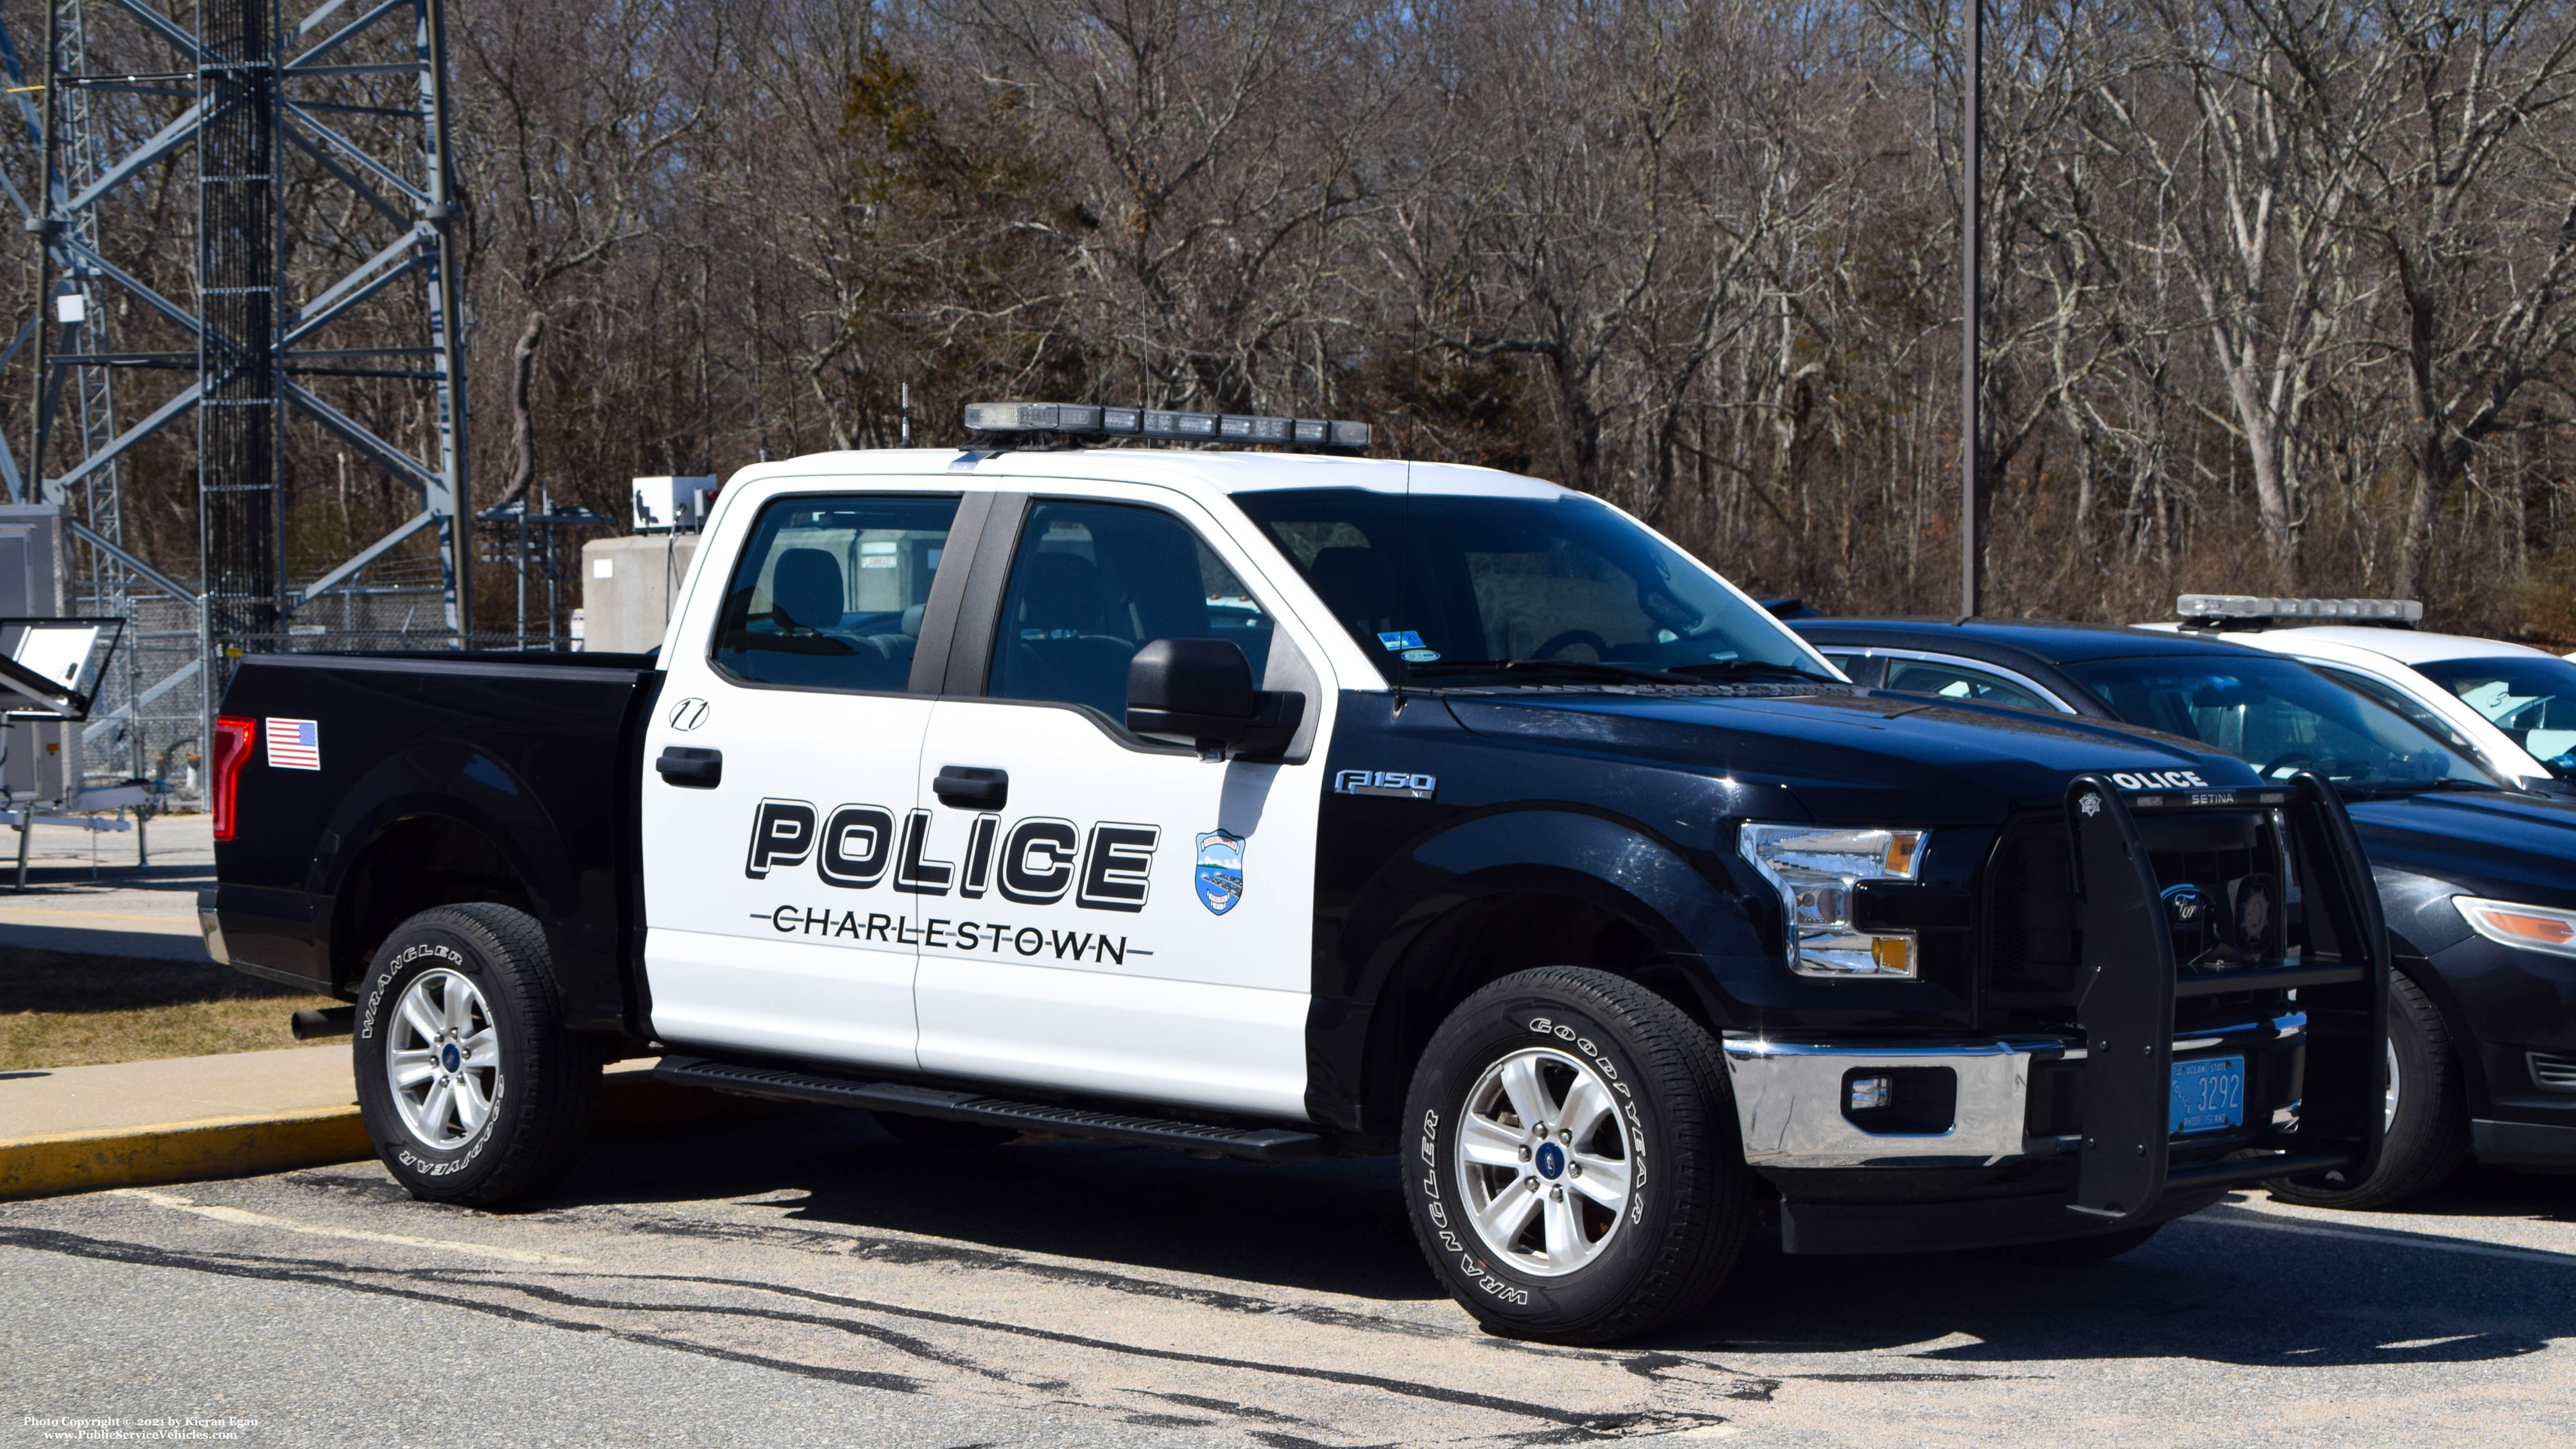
(470, 1086)
(1571, 1160)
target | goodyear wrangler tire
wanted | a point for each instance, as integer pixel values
(472, 1089)
(1571, 1159)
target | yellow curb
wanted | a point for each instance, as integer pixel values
(208, 1147)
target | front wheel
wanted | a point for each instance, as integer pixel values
(1573, 1168)
(471, 1087)
(2425, 1114)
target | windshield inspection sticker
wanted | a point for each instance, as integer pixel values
(1220, 872)
(1400, 639)
(1419, 656)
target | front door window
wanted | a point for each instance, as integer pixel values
(1095, 582)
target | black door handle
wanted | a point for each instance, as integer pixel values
(692, 768)
(969, 787)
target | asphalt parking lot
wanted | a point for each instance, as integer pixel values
(806, 1280)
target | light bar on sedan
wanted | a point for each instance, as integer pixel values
(2214, 608)
(1156, 425)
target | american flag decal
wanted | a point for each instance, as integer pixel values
(294, 744)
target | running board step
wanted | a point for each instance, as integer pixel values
(1256, 1144)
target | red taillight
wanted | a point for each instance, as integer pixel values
(233, 738)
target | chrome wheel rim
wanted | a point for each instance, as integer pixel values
(2388, 1099)
(1544, 1162)
(443, 1060)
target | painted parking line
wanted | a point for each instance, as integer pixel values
(243, 1217)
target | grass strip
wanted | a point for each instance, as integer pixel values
(69, 1009)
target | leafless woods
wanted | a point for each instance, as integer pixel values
(2282, 293)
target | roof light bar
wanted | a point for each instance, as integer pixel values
(1083, 420)
(2251, 607)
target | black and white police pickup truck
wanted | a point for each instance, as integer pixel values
(1279, 805)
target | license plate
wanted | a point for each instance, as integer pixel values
(2208, 1095)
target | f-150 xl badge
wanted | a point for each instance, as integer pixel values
(1393, 783)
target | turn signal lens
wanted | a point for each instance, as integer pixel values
(233, 739)
(2532, 928)
(1902, 846)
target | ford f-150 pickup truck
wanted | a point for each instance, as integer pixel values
(1279, 805)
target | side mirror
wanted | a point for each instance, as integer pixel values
(1201, 690)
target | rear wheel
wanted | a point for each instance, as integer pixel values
(2426, 1119)
(470, 1086)
(1573, 1169)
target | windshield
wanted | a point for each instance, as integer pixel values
(2531, 698)
(1449, 588)
(2281, 717)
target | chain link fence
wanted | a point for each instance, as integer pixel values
(149, 719)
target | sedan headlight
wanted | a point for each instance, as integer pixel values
(1817, 870)
(2533, 928)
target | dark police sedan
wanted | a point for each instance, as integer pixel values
(2477, 879)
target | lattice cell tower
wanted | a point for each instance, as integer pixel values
(244, 243)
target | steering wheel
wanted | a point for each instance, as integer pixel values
(1569, 639)
(2280, 769)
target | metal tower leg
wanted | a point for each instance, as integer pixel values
(351, 97)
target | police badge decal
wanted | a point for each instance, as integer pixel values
(1220, 872)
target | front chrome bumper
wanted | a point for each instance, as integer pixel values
(1789, 1101)
(1789, 1096)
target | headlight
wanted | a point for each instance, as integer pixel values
(1816, 869)
(2533, 928)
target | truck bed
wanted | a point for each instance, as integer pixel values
(519, 771)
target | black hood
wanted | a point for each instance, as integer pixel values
(1864, 757)
(2427, 848)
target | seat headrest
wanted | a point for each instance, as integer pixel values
(1063, 592)
(1356, 587)
(805, 590)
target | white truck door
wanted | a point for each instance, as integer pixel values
(1127, 918)
(771, 922)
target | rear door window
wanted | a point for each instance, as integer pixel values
(830, 591)
(1950, 679)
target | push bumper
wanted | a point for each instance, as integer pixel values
(1919, 1146)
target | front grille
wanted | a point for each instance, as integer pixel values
(2552, 1073)
(2220, 874)
(2030, 914)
